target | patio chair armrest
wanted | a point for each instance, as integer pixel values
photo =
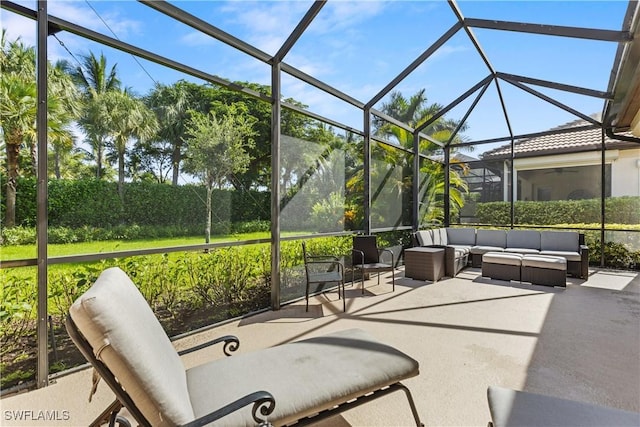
(263, 402)
(359, 254)
(231, 344)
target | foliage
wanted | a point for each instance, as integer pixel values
(328, 214)
(621, 210)
(95, 203)
(186, 291)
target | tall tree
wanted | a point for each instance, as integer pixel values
(61, 138)
(125, 118)
(171, 106)
(18, 109)
(218, 147)
(416, 111)
(95, 78)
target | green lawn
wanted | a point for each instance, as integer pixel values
(54, 250)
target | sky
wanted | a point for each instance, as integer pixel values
(359, 47)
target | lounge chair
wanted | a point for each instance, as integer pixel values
(520, 408)
(300, 382)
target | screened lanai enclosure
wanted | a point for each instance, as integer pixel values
(338, 118)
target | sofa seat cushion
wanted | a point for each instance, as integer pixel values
(304, 377)
(569, 256)
(461, 249)
(522, 250)
(503, 258)
(485, 249)
(543, 261)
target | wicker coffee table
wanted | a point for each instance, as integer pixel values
(424, 263)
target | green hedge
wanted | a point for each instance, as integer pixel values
(619, 210)
(96, 203)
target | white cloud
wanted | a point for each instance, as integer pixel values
(92, 17)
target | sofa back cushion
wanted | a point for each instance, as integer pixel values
(497, 238)
(126, 336)
(461, 236)
(424, 237)
(565, 241)
(440, 237)
(529, 239)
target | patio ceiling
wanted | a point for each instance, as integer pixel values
(492, 79)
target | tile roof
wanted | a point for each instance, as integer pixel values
(586, 137)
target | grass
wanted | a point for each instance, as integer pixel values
(55, 250)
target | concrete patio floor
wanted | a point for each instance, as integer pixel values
(467, 333)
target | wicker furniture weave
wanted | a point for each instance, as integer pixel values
(501, 265)
(424, 263)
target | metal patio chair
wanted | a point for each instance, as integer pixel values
(367, 257)
(322, 270)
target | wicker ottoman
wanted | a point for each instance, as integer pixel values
(501, 265)
(422, 263)
(544, 270)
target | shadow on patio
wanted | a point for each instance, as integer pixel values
(467, 333)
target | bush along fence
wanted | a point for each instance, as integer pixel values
(186, 291)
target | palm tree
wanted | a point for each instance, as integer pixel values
(61, 87)
(171, 106)
(18, 106)
(124, 117)
(95, 79)
(415, 112)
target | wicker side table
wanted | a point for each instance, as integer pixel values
(424, 263)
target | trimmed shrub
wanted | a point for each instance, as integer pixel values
(619, 210)
(96, 203)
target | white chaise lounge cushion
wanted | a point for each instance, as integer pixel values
(517, 408)
(116, 320)
(304, 376)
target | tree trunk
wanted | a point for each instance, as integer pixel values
(99, 159)
(121, 176)
(57, 163)
(34, 159)
(13, 151)
(207, 229)
(175, 162)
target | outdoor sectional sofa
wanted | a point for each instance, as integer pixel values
(467, 245)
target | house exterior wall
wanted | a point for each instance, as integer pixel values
(625, 174)
(571, 175)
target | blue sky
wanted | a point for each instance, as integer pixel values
(358, 47)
